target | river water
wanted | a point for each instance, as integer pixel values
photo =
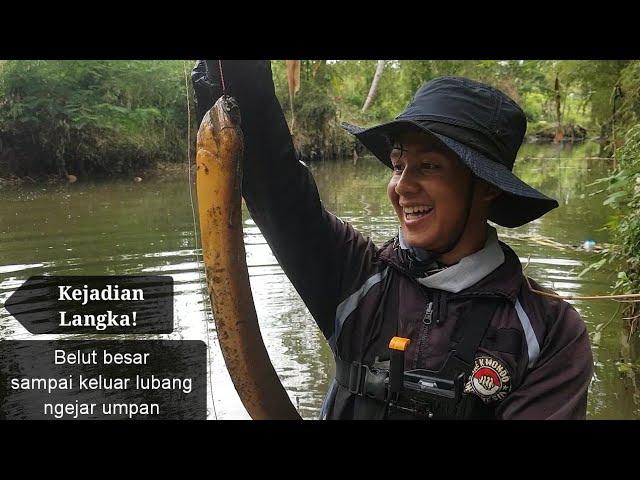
(121, 228)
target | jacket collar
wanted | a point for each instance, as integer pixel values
(493, 270)
(469, 270)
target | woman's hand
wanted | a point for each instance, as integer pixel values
(249, 81)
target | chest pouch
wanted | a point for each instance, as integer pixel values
(421, 394)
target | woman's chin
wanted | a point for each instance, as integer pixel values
(418, 242)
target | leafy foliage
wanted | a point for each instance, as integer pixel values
(623, 188)
(102, 117)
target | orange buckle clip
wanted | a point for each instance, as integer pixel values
(399, 343)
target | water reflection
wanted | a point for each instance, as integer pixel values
(122, 228)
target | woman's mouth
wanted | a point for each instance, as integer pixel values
(416, 213)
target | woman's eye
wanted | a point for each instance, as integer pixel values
(429, 166)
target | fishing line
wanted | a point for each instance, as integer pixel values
(224, 88)
(195, 238)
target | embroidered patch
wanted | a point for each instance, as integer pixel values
(490, 379)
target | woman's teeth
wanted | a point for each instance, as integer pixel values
(416, 212)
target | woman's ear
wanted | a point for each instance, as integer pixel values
(490, 192)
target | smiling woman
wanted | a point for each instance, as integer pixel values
(441, 206)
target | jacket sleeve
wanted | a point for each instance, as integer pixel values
(556, 387)
(324, 257)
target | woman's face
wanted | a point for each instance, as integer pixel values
(429, 191)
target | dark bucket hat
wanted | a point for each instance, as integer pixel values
(482, 126)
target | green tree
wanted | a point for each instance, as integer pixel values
(94, 117)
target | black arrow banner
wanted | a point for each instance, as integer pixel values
(109, 305)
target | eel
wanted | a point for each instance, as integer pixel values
(218, 183)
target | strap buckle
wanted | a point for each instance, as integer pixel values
(368, 382)
(357, 372)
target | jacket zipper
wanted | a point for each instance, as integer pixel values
(428, 314)
(427, 319)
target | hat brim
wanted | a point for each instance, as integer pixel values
(519, 203)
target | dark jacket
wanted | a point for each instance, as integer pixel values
(361, 295)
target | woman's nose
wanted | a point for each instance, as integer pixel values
(407, 183)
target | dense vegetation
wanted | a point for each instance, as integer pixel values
(623, 187)
(92, 119)
(106, 118)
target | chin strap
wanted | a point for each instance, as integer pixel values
(417, 266)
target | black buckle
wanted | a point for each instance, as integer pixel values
(356, 374)
(367, 382)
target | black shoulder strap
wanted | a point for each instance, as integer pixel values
(506, 340)
(475, 324)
